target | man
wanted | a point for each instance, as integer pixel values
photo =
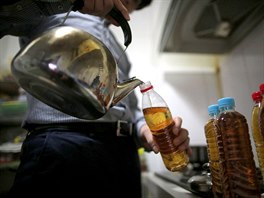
(18, 17)
(67, 156)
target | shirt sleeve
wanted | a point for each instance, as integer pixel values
(20, 17)
(51, 7)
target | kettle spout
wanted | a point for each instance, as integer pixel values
(125, 88)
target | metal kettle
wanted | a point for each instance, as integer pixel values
(72, 71)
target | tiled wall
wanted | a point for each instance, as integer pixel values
(242, 71)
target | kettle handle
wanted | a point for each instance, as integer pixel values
(115, 14)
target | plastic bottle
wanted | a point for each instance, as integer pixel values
(159, 119)
(257, 135)
(212, 148)
(261, 111)
(239, 177)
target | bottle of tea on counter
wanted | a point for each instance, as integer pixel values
(255, 126)
(239, 177)
(212, 148)
(159, 119)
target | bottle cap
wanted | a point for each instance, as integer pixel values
(213, 109)
(261, 88)
(145, 86)
(256, 96)
(227, 101)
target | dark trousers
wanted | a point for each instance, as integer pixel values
(60, 162)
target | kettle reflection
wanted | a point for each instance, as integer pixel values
(72, 71)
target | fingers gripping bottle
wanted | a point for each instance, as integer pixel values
(160, 122)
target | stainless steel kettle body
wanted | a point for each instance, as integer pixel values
(72, 71)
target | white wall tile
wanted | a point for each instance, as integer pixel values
(242, 71)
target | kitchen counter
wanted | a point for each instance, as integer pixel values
(156, 187)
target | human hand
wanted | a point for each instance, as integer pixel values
(103, 7)
(181, 140)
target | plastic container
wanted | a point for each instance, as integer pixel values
(258, 137)
(212, 148)
(239, 177)
(159, 119)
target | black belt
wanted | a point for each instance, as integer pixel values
(103, 129)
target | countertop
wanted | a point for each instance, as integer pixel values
(156, 187)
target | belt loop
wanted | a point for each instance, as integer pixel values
(131, 129)
(119, 127)
(124, 128)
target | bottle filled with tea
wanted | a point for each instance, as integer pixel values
(212, 148)
(159, 119)
(257, 135)
(239, 176)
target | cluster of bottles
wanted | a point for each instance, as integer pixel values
(159, 119)
(231, 159)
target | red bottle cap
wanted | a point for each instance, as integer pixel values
(145, 87)
(256, 96)
(144, 90)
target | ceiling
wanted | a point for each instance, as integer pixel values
(191, 27)
(147, 26)
(209, 26)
